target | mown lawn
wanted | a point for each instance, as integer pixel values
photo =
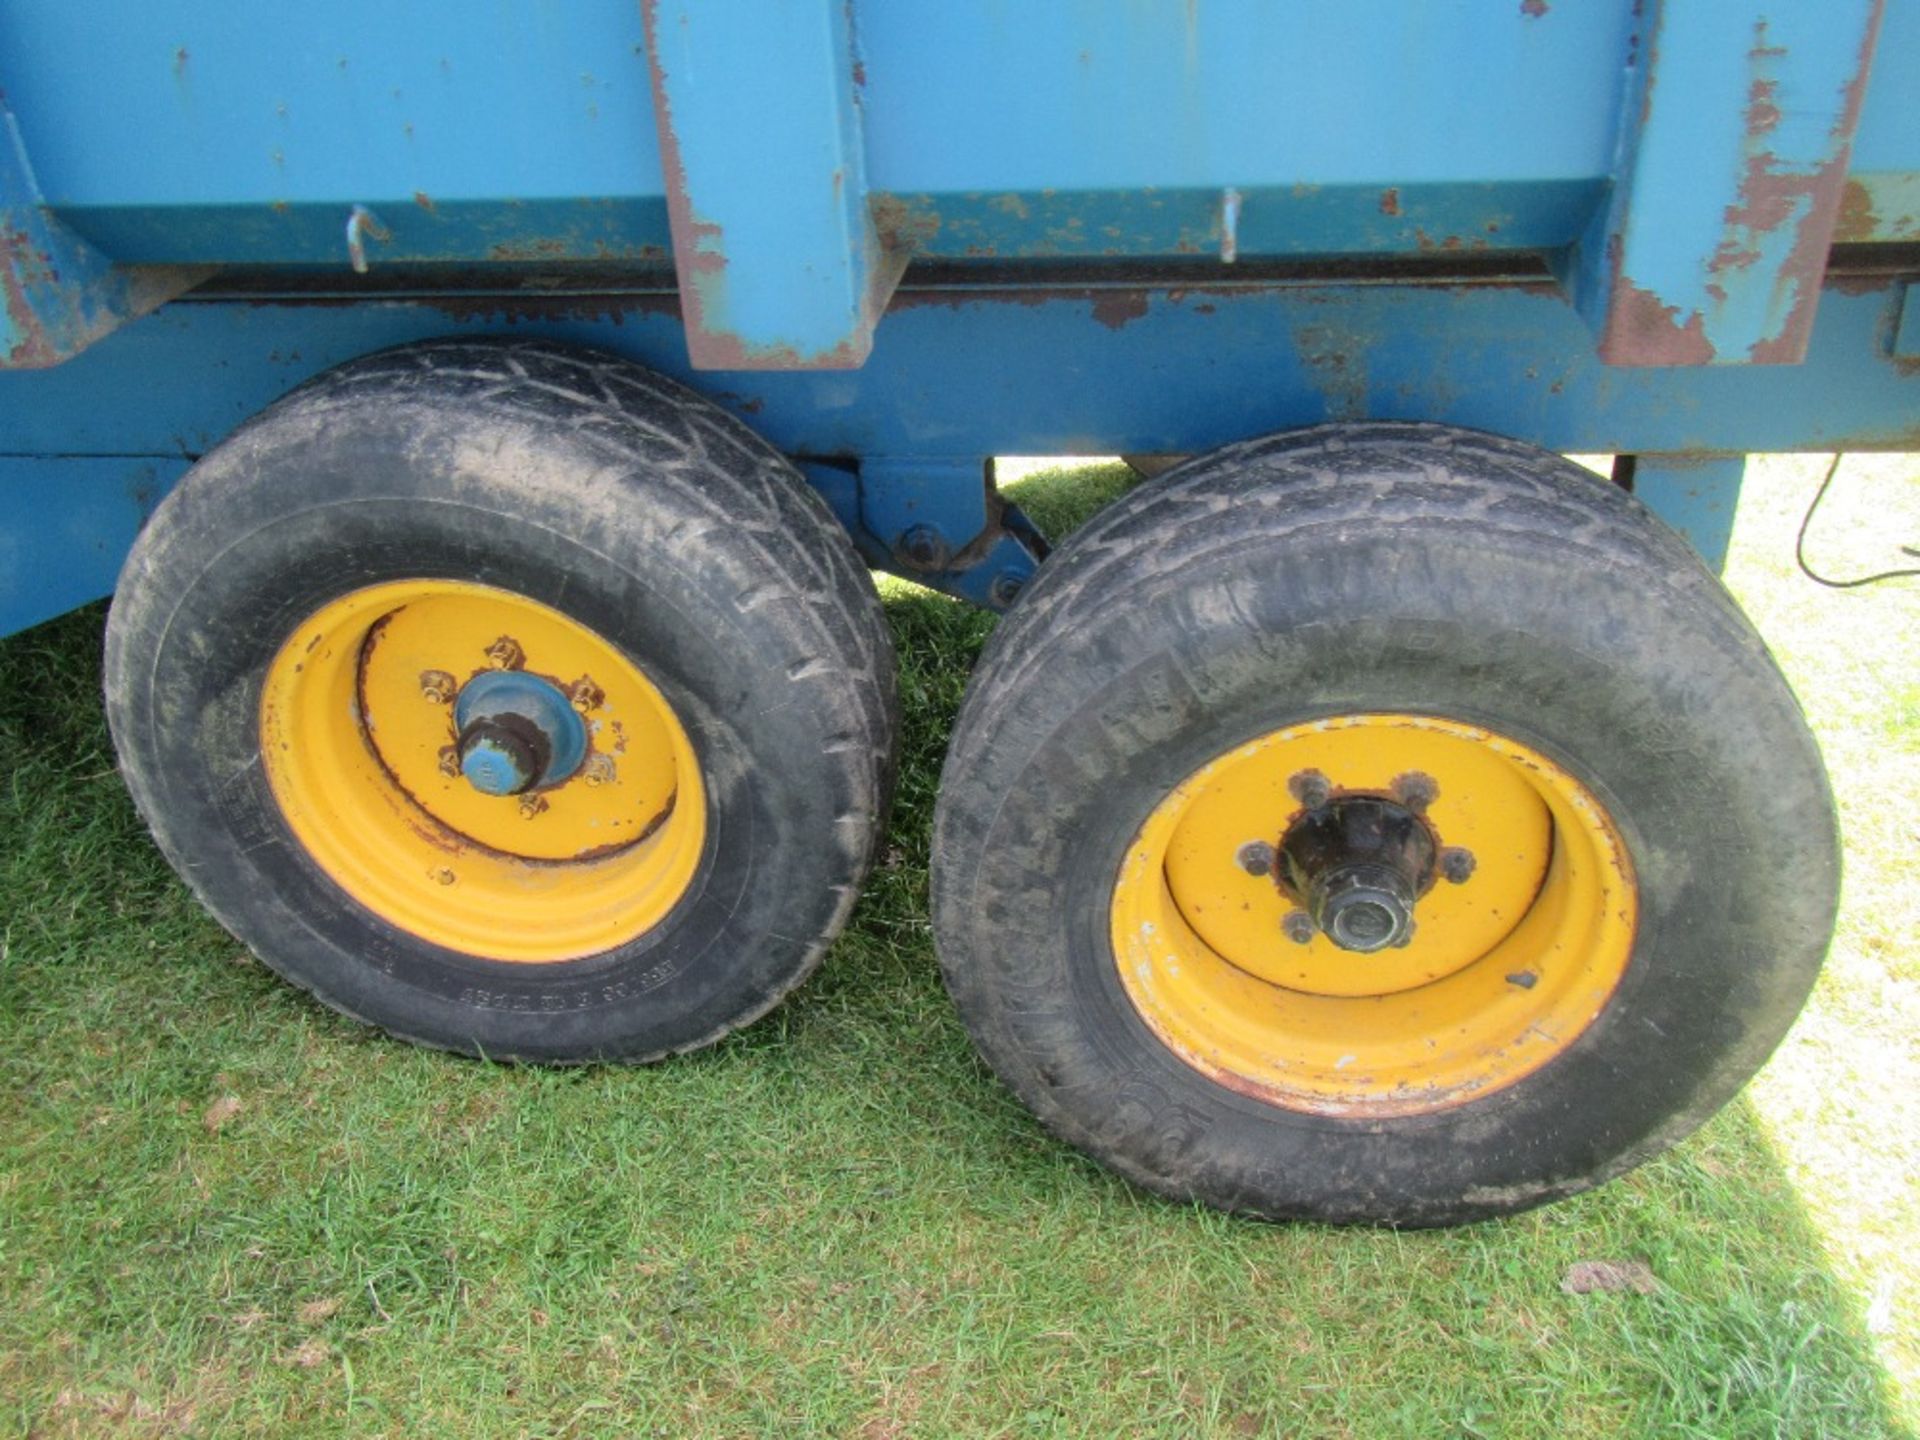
(223, 1210)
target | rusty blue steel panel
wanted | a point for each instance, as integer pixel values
(521, 131)
(1729, 184)
(230, 132)
(1881, 201)
(758, 119)
(59, 294)
(1061, 129)
(1087, 371)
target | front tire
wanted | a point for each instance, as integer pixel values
(315, 642)
(1399, 625)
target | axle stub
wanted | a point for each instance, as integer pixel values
(1358, 863)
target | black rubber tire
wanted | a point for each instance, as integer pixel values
(599, 488)
(1381, 567)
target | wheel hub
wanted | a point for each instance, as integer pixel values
(1359, 862)
(516, 732)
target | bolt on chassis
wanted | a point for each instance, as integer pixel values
(486, 422)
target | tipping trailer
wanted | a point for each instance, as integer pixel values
(486, 419)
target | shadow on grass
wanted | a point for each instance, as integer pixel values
(834, 1223)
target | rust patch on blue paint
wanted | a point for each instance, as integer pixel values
(904, 223)
(1811, 203)
(1769, 200)
(21, 265)
(1119, 308)
(1642, 329)
(1858, 219)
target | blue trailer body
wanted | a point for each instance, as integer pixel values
(899, 239)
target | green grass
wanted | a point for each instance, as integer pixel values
(837, 1223)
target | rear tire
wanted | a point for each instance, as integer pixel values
(673, 886)
(1385, 589)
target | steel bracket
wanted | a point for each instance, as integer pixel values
(939, 523)
(1712, 245)
(780, 264)
(1695, 494)
(60, 293)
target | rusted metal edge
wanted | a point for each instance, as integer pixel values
(787, 230)
(1752, 298)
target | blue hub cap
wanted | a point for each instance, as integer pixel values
(516, 731)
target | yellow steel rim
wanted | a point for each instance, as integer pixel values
(356, 730)
(1504, 970)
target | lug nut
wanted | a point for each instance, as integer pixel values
(1311, 788)
(1415, 790)
(1298, 926)
(584, 695)
(1255, 857)
(532, 805)
(598, 770)
(438, 686)
(1456, 863)
(450, 762)
(506, 654)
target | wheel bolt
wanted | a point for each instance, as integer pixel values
(1456, 863)
(1415, 790)
(1255, 857)
(598, 770)
(437, 686)
(1311, 788)
(450, 761)
(1298, 926)
(584, 695)
(506, 654)
(924, 548)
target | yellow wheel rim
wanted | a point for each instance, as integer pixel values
(356, 734)
(1504, 970)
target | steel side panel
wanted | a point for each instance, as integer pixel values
(958, 373)
(191, 131)
(65, 526)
